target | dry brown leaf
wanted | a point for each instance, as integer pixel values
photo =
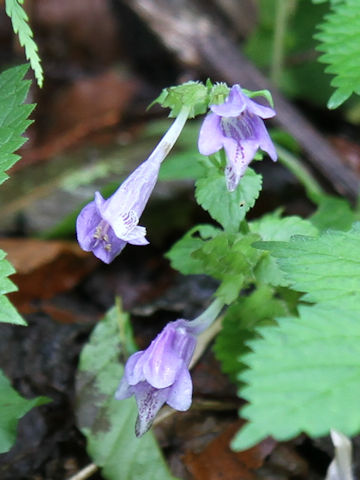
(218, 462)
(44, 268)
(88, 106)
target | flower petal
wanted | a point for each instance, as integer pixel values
(137, 236)
(233, 105)
(211, 135)
(258, 109)
(239, 156)
(108, 255)
(100, 202)
(180, 394)
(124, 390)
(161, 361)
(149, 401)
(86, 224)
(265, 142)
(134, 368)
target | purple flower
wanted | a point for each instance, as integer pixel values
(160, 374)
(106, 226)
(237, 126)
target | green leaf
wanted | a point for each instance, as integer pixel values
(8, 312)
(304, 376)
(228, 208)
(231, 259)
(184, 165)
(12, 408)
(339, 39)
(108, 424)
(21, 27)
(13, 115)
(257, 309)
(326, 268)
(273, 227)
(218, 93)
(190, 94)
(334, 213)
(180, 254)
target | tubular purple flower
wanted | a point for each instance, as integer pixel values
(160, 374)
(106, 226)
(237, 126)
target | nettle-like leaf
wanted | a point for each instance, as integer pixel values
(249, 312)
(12, 408)
(181, 253)
(231, 259)
(20, 23)
(13, 122)
(191, 94)
(303, 376)
(8, 312)
(228, 208)
(13, 115)
(339, 39)
(272, 227)
(326, 268)
(108, 424)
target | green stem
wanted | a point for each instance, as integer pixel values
(203, 321)
(303, 174)
(283, 9)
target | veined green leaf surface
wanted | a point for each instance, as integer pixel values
(303, 376)
(326, 268)
(228, 208)
(20, 22)
(13, 115)
(339, 40)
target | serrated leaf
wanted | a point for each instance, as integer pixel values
(231, 259)
(304, 376)
(241, 319)
(218, 93)
(12, 408)
(8, 312)
(20, 23)
(339, 37)
(228, 208)
(190, 94)
(326, 268)
(108, 424)
(13, 115)
(180, 254)
(273, 227)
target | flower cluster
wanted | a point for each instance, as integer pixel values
(160, 374)
(106, 226)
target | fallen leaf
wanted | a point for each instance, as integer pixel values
(44, 268)
(218, 462)
(88, 106)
